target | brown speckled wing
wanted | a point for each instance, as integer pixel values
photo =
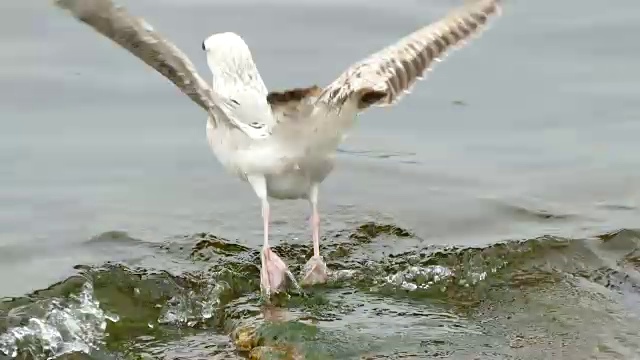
(135, 35)
(382, 78)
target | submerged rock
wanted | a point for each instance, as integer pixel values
(274, 352)
(372, 230)
(245, 337)
(210, 245)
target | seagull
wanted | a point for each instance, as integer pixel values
(283, 143)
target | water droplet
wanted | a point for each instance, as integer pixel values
(68, 325)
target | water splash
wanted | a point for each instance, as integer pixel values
(76, 324)
(193, 307)
(417, 277)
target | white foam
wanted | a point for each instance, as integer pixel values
(69, 325)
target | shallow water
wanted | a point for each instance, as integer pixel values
(512, 169)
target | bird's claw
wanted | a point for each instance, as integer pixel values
(315, 272)
(273, 273)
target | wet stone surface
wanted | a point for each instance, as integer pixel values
(436, 302)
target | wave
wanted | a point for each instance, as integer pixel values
(124, 310)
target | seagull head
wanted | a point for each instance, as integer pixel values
(230, 61)
(226, 51)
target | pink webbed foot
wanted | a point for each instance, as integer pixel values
(273, 273)
(315, 272)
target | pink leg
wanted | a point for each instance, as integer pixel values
(315, 269)
(273, 270)
(315, 226)
(265, 223)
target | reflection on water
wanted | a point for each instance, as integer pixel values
(516, 298)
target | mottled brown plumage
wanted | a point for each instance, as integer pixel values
(276, 98)
(394, 69)
(290, 104)
(138, 37)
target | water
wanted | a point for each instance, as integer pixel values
(512, 170)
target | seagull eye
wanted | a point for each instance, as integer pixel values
(203, 46)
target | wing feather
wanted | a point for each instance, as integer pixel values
(392, 72)
(139, 38)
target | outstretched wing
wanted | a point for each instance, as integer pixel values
(382, 78)
(139, 38)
